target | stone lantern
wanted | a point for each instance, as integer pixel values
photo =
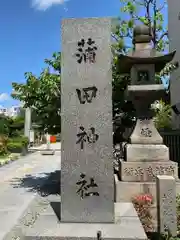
(146, 155)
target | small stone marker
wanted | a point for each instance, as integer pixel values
(87, 180)
(166, 204)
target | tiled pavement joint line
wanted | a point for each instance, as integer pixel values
(11, 165)
(23, 166)
(11, 211)
(30, 209)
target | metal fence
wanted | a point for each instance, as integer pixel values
(172, 140)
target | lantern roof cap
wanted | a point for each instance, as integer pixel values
(143, 53)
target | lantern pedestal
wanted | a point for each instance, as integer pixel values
(146, 156)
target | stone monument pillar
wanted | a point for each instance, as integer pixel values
(88, 210)
(86, 114)
(27, 124)
(147, 156)
(174, 39)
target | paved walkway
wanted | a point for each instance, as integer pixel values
(54, 146)
(19, 182)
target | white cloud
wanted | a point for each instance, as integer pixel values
(4, 97)
(45, 4)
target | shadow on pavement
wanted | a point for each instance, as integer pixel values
(56, 206)
(47, 184)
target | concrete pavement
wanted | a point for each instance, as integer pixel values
(53, 146)
(19, 183)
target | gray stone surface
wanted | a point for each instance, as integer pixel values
(48, 152)
(174, 39)
(127, 226)
(54, 146)
(136, 68)
(37, 206)
(147, 171)
(95, 159)
(145, 133)
(125, 190)
(166, 204)
(17, 190)
(147, 152)
(27, 124)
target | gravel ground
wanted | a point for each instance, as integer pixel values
(47, 192)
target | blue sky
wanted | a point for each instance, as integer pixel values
(30, 32)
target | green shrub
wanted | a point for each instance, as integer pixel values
(3, 151)
(20, 139)
(24, 140)
(16, 133)
(15, 147)
(14, 156)
(4, 125)
(163, 116)
(3, 145)
(16, 144)
(3, 161)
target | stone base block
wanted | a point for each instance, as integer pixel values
(145, 152)
(145, 131)
(126, 190)
(47, 152)
(127, 226)
(146, 171)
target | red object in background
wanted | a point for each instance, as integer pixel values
(52, 139)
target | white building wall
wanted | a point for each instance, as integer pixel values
(11, 112)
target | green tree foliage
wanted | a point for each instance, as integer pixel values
(11, 127)
(5, 123)
(163, 115)
(11, 134)
(150, 13)
(16, 126)
(42, 94)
